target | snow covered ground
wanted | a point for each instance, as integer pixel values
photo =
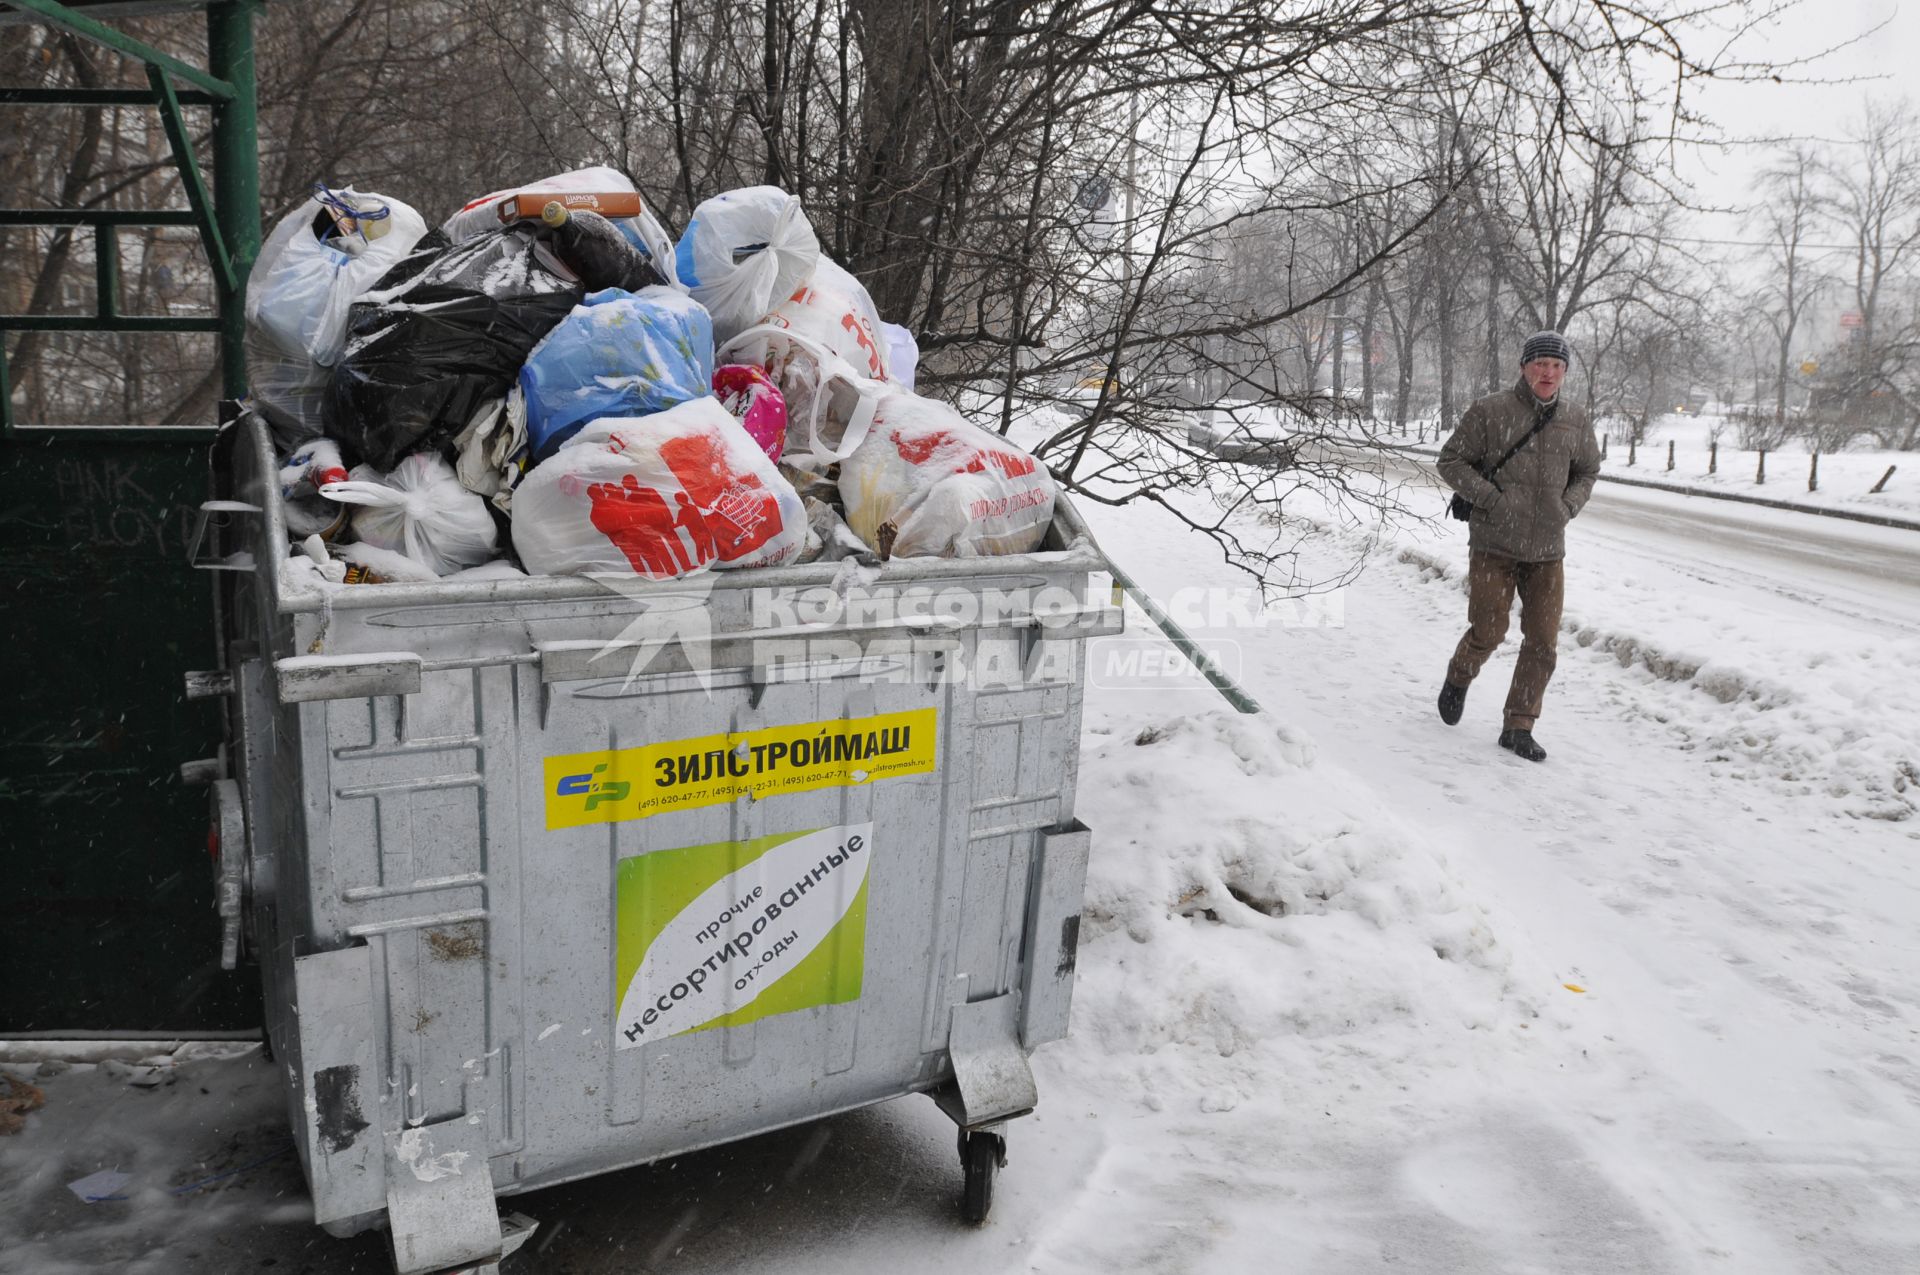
(1358, 992)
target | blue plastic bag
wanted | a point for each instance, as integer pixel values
(617, 354)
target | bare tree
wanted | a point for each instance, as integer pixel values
(940, 146)
(1789, 211)
(1874, 202)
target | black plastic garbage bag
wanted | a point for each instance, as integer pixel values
(438, 337)
(600, 255)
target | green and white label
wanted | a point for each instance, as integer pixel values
(724, 934)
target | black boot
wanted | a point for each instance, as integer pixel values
(1453, 701)
(1520, 743)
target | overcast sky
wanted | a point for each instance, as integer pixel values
(1881, 64)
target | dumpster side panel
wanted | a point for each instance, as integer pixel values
(505, 849)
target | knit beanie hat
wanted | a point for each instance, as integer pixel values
(1546, 345)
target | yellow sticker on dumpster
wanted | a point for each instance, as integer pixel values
(614, 785)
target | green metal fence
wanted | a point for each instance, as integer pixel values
(103, 847)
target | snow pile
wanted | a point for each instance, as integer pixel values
(1246, 909)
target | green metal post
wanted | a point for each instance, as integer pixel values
(236, 174)
(1229, 691)
(225, 279)
(59, 15)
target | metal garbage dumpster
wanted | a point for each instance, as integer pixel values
(550, 876)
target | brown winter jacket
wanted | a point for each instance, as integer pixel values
(1523, 513)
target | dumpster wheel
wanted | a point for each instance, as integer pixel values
(982, 1155)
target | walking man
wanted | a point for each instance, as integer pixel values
(1526, 462)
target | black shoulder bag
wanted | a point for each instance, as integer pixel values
(1460, 507)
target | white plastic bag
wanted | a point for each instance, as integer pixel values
(419, 510)
(660, 496)
(926, 483)
(744, 252)
(298, 295)
(644, 231)
(829, 405)
(853, 326)
(833, 310)
(301, 285)
(824, 348)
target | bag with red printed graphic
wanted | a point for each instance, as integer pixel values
(659, 496)
(825, 348)
(927, 483)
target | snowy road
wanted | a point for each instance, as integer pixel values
(1853, 571)
(1324, 1021)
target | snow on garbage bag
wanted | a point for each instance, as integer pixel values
(743, 252)
(321, 256)
(440, 337)
(598, 189)
(659, 496)
(822, 346)
(419, 510)
(617, 354)
(756, 402)
(927, 483)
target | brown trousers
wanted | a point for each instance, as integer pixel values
(1491, 583)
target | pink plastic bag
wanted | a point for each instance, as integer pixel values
(750, 394)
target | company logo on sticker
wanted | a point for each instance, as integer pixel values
(591, 786)
(632, 783)
(725, 934)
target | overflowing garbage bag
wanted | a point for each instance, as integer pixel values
(744, 252)
(927, 483)
(321, 256)
(440, 338)
(599, 189)
(419, 511)
(660, 496)
(617, 353)
(549, 377)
